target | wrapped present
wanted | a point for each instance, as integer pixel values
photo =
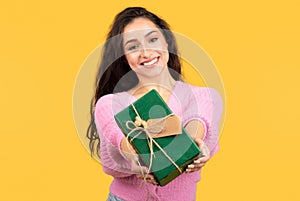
(158, 137)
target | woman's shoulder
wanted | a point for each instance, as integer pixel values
(104, 100)
(115, 101)
(199, 91)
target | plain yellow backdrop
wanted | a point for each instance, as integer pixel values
(254, 44)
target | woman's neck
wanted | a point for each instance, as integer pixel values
(164, 84)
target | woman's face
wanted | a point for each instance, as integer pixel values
(145, 48)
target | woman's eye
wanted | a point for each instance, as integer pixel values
(132, 47)
(152, 40)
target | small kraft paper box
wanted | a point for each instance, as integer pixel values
(158, 137)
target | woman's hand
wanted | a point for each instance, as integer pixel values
(199, 162)
(148, 178)
(142, 172)
(136, 168)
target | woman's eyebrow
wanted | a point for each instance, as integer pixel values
(134, 40)
(150, 33)
(130, 41)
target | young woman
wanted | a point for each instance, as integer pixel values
(141, 54)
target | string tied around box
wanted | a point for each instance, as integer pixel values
(141, 126)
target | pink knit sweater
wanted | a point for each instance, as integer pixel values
(189, 102)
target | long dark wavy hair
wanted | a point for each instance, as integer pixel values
(114, 66)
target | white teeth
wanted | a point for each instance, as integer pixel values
(150, 62)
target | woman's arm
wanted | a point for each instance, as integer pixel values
(113, 159)
(197, 130)
(202, 119)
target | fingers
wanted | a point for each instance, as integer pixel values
(201, 160)
(138, 169)
(197, 164)
(142, 172)
(148, 178)
(194, 167)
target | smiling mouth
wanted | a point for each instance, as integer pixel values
(153, 61)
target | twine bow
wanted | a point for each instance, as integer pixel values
(154, 128)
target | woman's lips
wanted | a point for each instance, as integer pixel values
(150, 63)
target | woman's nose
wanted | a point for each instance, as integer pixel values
(145, 52)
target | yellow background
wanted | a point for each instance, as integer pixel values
(254, 44)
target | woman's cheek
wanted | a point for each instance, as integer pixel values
(132, 60)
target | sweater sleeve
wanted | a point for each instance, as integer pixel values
(206, 105)
(113, 161)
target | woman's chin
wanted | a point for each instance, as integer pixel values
(153, 72)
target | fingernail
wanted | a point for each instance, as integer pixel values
(191, 166)
(197, 161)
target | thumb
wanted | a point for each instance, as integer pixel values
(204, 149)
(199, 142)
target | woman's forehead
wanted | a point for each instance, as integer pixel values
(140, 28)
(139, 24)
(140, 33)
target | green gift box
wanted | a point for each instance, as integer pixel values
(171, 154)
